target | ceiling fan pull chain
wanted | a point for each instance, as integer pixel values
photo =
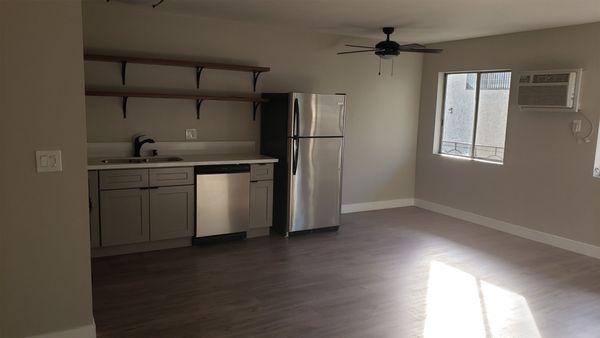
(379, 66)
(392, 67)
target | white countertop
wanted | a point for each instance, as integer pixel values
(188, 161)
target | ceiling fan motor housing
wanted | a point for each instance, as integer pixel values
(387, 48)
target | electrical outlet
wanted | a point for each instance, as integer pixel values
(576, 126)
(48, 161)
(191, 134)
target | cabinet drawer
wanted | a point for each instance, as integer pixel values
(161, 177)
(261, 172)
(123, 179)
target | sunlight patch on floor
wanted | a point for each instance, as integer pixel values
(460, 305)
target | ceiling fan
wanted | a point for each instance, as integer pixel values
(388, 49)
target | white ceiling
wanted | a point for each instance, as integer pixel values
(420, 21)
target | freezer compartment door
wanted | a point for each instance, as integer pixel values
(317, 115)
(315, 183)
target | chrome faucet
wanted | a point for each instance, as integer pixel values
(137, 144)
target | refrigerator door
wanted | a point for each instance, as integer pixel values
(315, 179)
(317, 115)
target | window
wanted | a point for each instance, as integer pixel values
(475, 109)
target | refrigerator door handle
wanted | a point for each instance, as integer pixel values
(340, 159)
(295, 145)
(341, 116)
(296, 118)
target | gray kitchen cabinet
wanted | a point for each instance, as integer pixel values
(94, 208)
(171, 212)
(261, 204)
(124, 216)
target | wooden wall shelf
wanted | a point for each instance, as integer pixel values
(199, 98)
(198, 65)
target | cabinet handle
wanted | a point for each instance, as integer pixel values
(148, 188)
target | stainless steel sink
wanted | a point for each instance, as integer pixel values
(162, 159)
(126, 160)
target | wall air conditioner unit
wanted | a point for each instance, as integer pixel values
(550, 90)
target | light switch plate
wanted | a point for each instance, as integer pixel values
(48, 161)
(191, 134)
(576, 126)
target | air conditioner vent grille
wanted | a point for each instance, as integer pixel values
(551, 78)
(547, 96)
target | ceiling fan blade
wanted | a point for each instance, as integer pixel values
(413, 45)
(358, 51)
(359, 46)
(421, 50)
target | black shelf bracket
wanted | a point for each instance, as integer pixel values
(255, 106)
(198, 105)
(255, 76)
(124, 105)
(123, 71)
(158, 3)
(153, 6)
(198, 74)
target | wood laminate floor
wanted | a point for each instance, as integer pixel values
(392, 273)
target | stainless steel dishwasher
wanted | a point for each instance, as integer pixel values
(222, 200)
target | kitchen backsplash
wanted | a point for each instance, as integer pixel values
(102, 149)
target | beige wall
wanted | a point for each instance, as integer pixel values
(546, 181)
(44, 234)
(382, 122)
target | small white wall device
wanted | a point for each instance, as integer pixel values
(48, 161)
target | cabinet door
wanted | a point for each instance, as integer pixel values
(94, 209)
(171, 212)
(261, 204)
(124, 216)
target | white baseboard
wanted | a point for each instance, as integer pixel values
(87, 331)
(378, 205)
(517, 230)
(513, 229)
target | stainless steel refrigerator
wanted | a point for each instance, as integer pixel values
(306, 133)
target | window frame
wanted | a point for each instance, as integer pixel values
(442, 113)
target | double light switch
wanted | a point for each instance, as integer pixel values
(48, 160)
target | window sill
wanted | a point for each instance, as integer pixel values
(470, 159)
